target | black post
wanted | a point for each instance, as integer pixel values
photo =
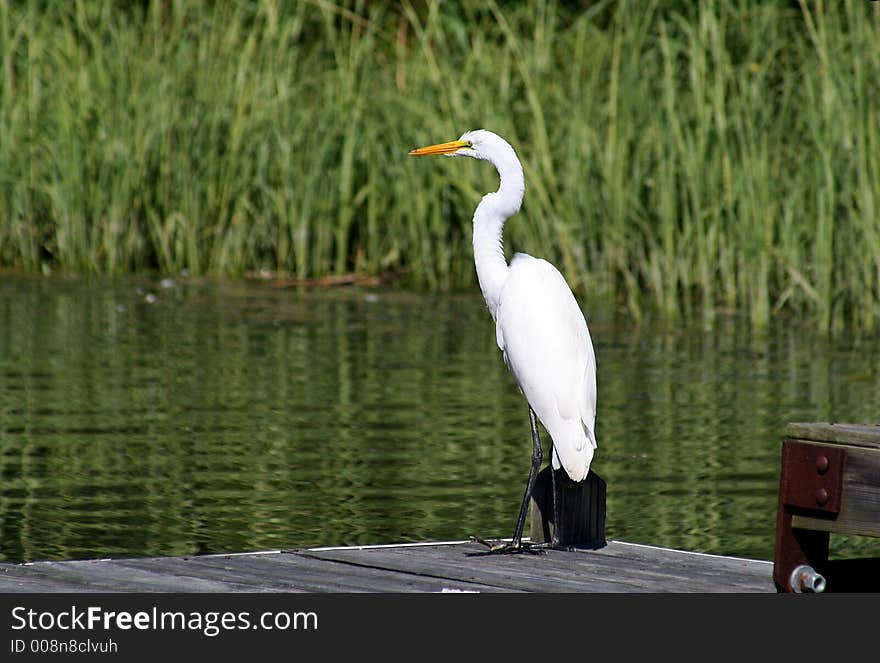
(581, 506)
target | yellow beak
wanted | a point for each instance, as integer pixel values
(440, 148)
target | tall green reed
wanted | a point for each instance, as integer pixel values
(680, 158)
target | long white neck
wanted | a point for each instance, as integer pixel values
(494, 209)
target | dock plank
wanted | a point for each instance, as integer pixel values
(515, 573)
(104, 576)
(291, 572)
(430, 567)
(617, 567)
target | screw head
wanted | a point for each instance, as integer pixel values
(822, 464)
(821, 497)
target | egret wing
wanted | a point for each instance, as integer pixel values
(547, 345)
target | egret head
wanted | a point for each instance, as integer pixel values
(477, 144)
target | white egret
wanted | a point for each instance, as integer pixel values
(539, 326)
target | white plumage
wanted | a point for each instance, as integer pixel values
(546, 343)
(539, 326)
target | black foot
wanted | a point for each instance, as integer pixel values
(554, 544)
(508, 548)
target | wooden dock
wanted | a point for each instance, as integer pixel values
(422, 567)
(829, 482)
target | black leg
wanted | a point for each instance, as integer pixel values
(516, 545)
(537, 457)
(557, 523)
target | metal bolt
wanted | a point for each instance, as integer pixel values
(822, 464)
(821, 497)
(805, 579)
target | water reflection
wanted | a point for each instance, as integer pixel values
(137, 419)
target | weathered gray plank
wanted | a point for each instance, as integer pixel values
(720, 572)
(615, 568)
(102, 576)
(278, 572)
(618, 567)
(859, 435)
(13, 581)
(287, 572)
(341, 575)
(512, 572)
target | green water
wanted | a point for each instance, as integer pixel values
(142, 418)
